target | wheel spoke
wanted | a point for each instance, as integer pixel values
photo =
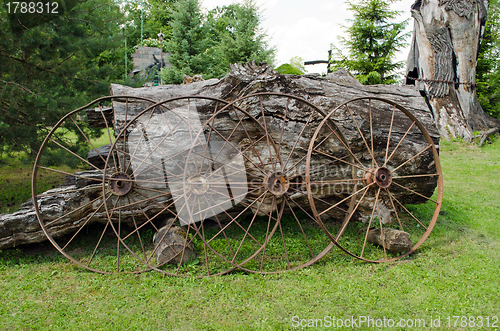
(413, 216)
(300, 226)
(266, 132)
(100, 238)
(348, 219)
(74, 154)
(283, 129)
(338, 203)
(400, 141)
(68, 174)
(389, 136)
(86, 138)
(361, 134)
(85, 223)
(381, 232)
(151, 111)
(429, 146)
(345, 145)
(341, 160)
(247, 233)
(370, 222)
(395, 210)
(374, 162)
(234, 219)
(414, 192)
(267, 234)
(135, 226)
(298, 139)
(83, 189)
(90, 203)
(109, 134)
(415, 176)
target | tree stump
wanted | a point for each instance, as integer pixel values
(442, 63)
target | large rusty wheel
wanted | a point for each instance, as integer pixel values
(244, 185)
(147, 205)
(376, 179)
(74, 229)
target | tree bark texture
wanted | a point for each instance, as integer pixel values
(325, 93)
(442, 63)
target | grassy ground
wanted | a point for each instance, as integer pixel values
(453, 278)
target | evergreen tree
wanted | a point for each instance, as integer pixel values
(241, 39)
(372, 42)
(51, 65)
(488, 64)
(188, 44)
(206, 46)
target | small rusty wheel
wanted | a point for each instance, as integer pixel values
(78, 230)
(244, 185)
(145, 183)
(384, 174)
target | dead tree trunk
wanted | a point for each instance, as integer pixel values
(442, 63)
(327, 93)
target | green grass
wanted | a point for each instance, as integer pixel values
(16, 174)
(454, 273)
(15, 184)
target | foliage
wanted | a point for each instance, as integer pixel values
(188, 44)
(152, 17)
(488, 64)
(151, 42)
(43, 290)
(241, 40)
(289, 69)
(298, 63)
(207, 44)
(50, 66)
(373, 39)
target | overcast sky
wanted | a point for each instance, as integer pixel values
(306, 28)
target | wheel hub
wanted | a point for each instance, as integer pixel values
(277, 183)
(382, 176)
(198, 185)
(120, 183)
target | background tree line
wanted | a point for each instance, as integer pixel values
(52, 64)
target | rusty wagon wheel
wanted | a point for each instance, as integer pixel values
(378, 174)
(245, 185)
(145, 184)
(72, 157)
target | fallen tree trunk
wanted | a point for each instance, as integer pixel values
(326, 93)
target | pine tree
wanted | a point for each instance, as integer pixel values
(242, 39)
(207, 46)
(188, 44)
(372, 42)
(49, 66)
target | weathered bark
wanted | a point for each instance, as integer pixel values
(95, 117)
(442, 63)
(327, 94)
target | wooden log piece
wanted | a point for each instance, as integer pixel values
(395, 241)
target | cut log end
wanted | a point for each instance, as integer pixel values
(395, 241)
(171, 246)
